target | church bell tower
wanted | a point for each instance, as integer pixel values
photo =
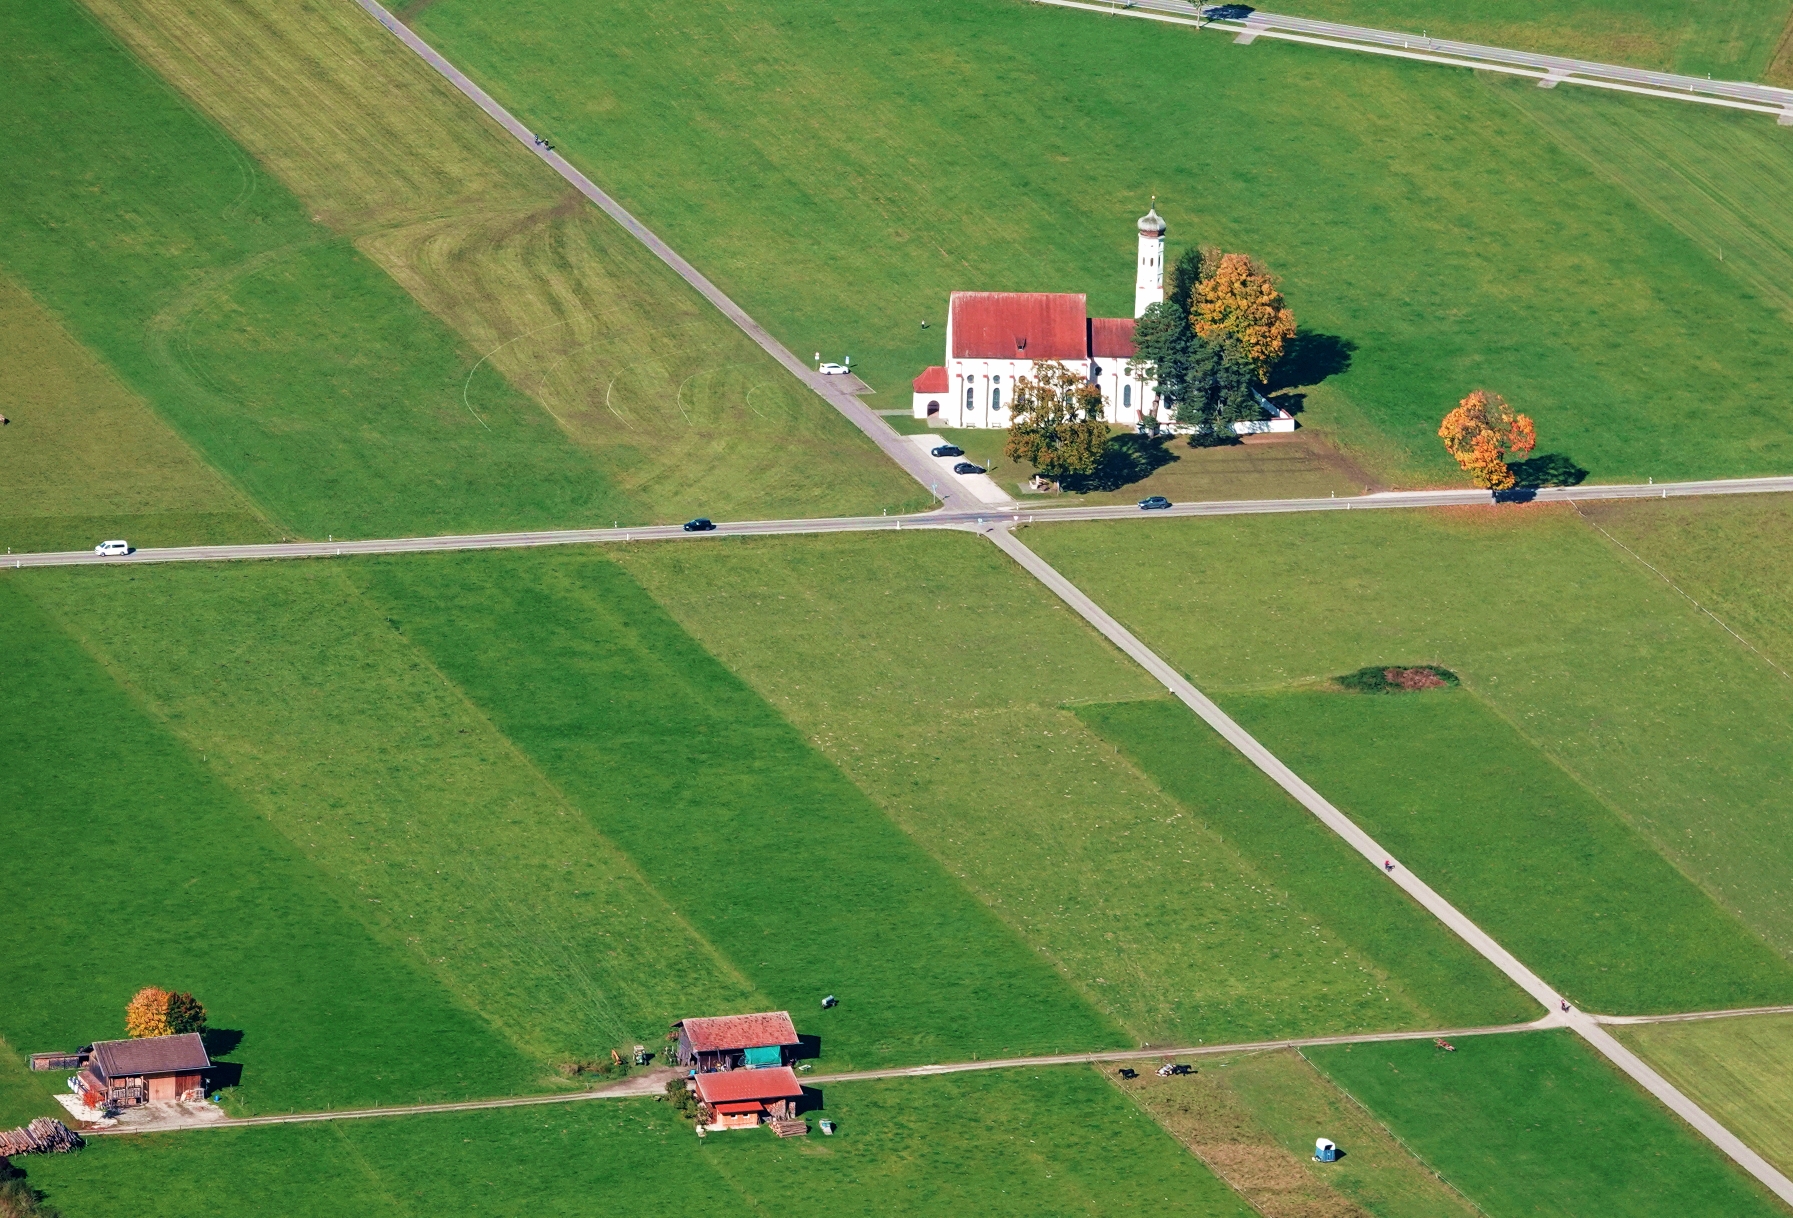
(1148, 285)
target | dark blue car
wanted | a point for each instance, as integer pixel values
(1154, 503)
(703, 524)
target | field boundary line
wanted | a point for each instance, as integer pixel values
(1587, 1026)
(1692, 1016)
(1553, 69)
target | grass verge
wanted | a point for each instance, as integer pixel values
(130, 864)
(1537, 1123)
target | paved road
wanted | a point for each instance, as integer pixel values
(1554, 69)
(1587, 1026)
(834, 392)
(941, 519)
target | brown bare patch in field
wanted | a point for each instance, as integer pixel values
(1201, 1111)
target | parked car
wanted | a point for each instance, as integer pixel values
(1153, 503)
(947, 450)
(966, 467)
(113, 549)
(703, 524)
(833, 369)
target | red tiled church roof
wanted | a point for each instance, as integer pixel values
(1019, 325)
(1111, 337)
(735, 1086)
(932, 380)
(726, 1033)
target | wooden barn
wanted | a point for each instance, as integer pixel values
(731, 1042)
(742, 1099)
(126, 1073)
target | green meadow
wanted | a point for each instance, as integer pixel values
(582, 826)
(130, 863)
(286, 359)
(1538, 1124)
(740, 821)
(937, 677)
(676, 409)
(840, 168)
(1739, 1070)
(1454, 792)
(86, 459)
(1733, 41)
(1004, 1143)
(1610, 673)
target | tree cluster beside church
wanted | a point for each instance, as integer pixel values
(1153, 371)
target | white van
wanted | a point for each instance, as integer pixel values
(112, 549)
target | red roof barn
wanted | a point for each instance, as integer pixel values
(727, 1042)
(743, 1098)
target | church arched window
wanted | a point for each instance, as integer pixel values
(1126, 397)
(971, 397)
(996, 396)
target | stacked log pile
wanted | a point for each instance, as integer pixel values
(43, 1136)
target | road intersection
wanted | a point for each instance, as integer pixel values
(960, 510)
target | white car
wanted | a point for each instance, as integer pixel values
(113, 549)
(833, 370)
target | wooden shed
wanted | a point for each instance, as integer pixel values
(130, 1072)
(730, 1042)
(741, 1099)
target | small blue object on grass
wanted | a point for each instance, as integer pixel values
(1325, 1151)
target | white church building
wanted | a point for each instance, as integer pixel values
(994, 338)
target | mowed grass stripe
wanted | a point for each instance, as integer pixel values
(1010, 1144)
(1521, 847)
(1610, 673)
(840, 167)
(276, 350)
(1435, 970)
(319, 713)
(86, 459)
(128, 863)
(1739, 1070)
(677, 409)
(1537, 1123)
(935, 673)
(749, 830)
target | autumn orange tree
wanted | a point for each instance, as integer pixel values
(1236, 298)
(1055, 422)
(154, 1011)
(1483, 433)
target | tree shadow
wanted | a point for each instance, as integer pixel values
(220, 1042)
(1310, 358)
(1547, 469)
(1288, 400)
(1128, 458)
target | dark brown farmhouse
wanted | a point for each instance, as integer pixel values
(131, 1072)
(729, 1042)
